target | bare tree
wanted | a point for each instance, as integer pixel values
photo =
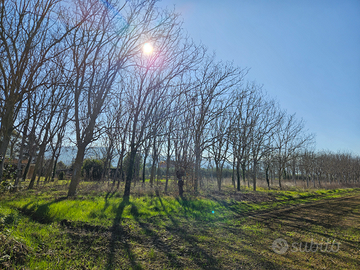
(307, 163)
(121, 132)
(219, 149)
(169, 136)
(290, 138)
(268, 163)
(243, 124)
(31, 35)
(267, 117)
(55, 101)
(156, 81)
(183, 145)
(102, 48)
(214, 81)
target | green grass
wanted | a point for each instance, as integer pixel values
(40, 246)
(160, 232)
(102, 209)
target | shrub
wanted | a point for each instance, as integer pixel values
(13, 252)
(9, 174)
(92, 169)
(61, 176)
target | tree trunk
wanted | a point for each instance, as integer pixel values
(49, 169)
(3, 148)
(179, 174)
(233, 173)
(154, 158)
(144, 166)
(107, 163)
(75, 179)
(197, 166)
(41, 169)
(218, 175)
(280, 175)
(254, 175)
(152, 173)
(38, 163)
(307, 180)
(26, 170)
(248, 176)
(238, 174)
(294, 175)
(54, 168)
(158, 173)
(267, 176)
(313, 179)
(168, 160)
(23, 141)
(119, 168)
(129, 174)
(6, 128)
(243, 171)
(40, 157)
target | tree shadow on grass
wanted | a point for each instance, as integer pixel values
(190, 208)
(203, 258)
(108, 196)
(199, 256)
(118, 234)
(41, 214)
(156, 240)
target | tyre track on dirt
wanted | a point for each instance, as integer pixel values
(286, 209)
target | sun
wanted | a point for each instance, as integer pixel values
(148, 48)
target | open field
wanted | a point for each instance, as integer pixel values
(41, 229)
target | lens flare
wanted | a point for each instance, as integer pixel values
(116, 14)
(148, 48)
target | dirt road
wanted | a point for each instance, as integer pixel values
(320, 235)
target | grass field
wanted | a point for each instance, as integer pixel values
(42, 229)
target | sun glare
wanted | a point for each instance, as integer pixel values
(148, 48)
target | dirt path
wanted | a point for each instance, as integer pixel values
(353, 199)
(331, 228)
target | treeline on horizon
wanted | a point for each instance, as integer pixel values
(77, 70)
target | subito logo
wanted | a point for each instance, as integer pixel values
(280, 246)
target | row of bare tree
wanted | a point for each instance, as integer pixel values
(78, 70)
(318, 169)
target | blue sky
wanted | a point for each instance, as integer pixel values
(305, 53)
